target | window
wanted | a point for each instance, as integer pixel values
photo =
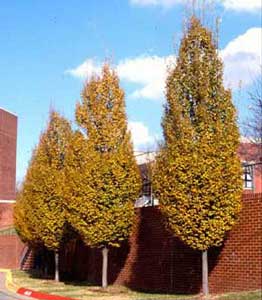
(248, 178)
(146, 198)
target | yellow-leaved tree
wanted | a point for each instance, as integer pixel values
(197, 176)
(103, 174)
(24, 216)
(40, 214)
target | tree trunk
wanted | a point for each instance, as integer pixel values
(57, 266)
(205, 273)
(104, 267)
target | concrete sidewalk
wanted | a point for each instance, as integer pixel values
(7, 295)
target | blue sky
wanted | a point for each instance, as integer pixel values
(48, 48)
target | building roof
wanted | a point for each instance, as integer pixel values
(145, 157)
(7, 111)
(250, 152)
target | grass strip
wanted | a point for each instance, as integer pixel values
(84, 291)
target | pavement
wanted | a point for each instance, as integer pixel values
(6, 294)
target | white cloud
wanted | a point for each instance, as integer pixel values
(147, 71)
(86, 69)
(236, 5)
(243, 5)
(140, 134)
(242, 58)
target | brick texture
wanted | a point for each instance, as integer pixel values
(11, 249)
(6, 215)
(8, 134)
(154, 260)
(239, 264)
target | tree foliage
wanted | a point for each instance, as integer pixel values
(198, 174)
(40, 214)
(101, 203)
(24, 217)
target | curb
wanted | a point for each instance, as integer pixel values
(10, 286)
(39, 295)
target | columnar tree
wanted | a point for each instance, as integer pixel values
(40, 212)
(198, 174)
(24, 217)
(102, 198)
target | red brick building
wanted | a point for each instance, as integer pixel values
(251, 158)
(8, 139)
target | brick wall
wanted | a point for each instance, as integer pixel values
(6, 215)
(258, 178)
(240, 260)
(8, 134)
(11, 249)
(154, 260)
